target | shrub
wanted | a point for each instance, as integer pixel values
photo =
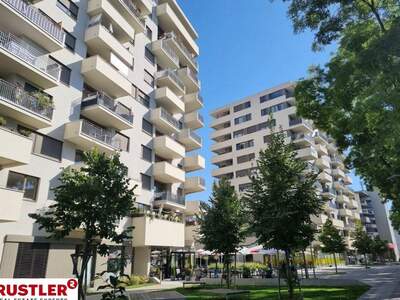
(3, 121)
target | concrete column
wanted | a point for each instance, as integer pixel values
(141, 264)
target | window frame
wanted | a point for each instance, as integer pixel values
(142, 175)
(145, 148)
(34, 199)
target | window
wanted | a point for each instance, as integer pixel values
(147, 127)
(28, 184)
(149, 33)
(245, 145)
(141, 96)
(146, 182)
(276, 94)
(65, 75)
(254, 128)
(69, 7)
(245, 158)
(31, 260)
(243, 187)
(148, 78)
(274, 108)
(241, 106)
(149, 55)
(69, 41)
(147, 153)
(242, 119)
(79, 155)
(244, 173)
(47, 146)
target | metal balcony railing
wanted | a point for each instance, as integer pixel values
(171, 74)
(38, 18)
(168, 196)
(188, 54)
(170, 119)
(100, 98)
(29, 54)
(105, 136)
(134, 10)
(11, 93)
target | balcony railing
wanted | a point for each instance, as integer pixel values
(328, 190)
(168, 196)
(300, 136)
(38, 18)
(171, 74)
(30, 55)
(106, 101)
(195, 136)
(11, 93)
(170, 119)
(134, 10)
(293, 122)
(189, 55)
(167, 48)
(105, 136)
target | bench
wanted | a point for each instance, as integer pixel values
(194, 283)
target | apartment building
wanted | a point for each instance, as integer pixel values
(116, 75)
(375, 217)
(243, 128)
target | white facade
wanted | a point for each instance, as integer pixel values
(102, 94)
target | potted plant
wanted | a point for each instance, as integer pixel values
(3, 121)
(44, 101)
(188, 274)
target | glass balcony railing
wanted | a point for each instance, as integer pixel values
(168, 196)
(170, 119)
(105, 136)
(188, 54)
(300, 136)
(38, 18)
(172, 75)
(30, 55)
(195, 136)
(293, 122)
(100, 98)
(134, 10)
(11, 93)
(167, 48)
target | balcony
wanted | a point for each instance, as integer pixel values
(301, 139)
(170, 201)
(342, 199)
(166, 56)
(319, 220)
(328, 192)
(23, 107)
(164, 121)
(106, 111)
(323, 162)
(322, 150)
(166, 147)
(172, 19)
(308, 153)
(15, 149)
(347, 180)
(325, 178)
(338, 173)
(155, 231)
(300, 125)
(168, 78)
(193, 102)
(100, 41)
(321, 138)
(337, 162)
(18, 57)
(339, 224)
(11, 205)
(111, 15)
(167, 173)
(345, 212)
(193, 120)
(190, 80)
(194, 163)
(28, 20)
(356, 216)
(194, 185)
(190, 139)
(133, 14)
(87, 135)
(185, 56)
(103, 76)
(338, 185)
(166, 98)
(191, 235)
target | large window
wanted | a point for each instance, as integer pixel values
(149, 55)
(245, 186)
(241, 106)
(274, 108)
(242, 119)
(146, 182)
(21, 182)
(65, 75)
(147, 127)
(245, 158)
(254, 128)
(276, 94)
(69, 41)
(141, 96)
(31, 260)
(148, 78)
(147, 153)
(47, 146)
(69, 7)
(245, 145)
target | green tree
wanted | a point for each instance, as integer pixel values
(92, 200)
(355, 96)
(362, 242)
(379, 247)
(222, 223)
(332, 241)
(281, 200)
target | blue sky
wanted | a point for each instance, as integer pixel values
(246, 46)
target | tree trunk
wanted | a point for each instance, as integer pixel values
(279, 275)
(366, 262)
(305, 265)
(313, 261)
(81, 275)
(334, 260)
(289, 278)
